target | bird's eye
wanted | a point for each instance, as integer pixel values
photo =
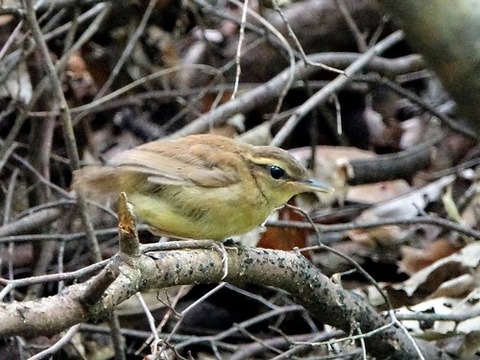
(276, 171)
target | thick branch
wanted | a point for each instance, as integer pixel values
(326, 301)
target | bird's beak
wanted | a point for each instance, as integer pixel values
(314, 185)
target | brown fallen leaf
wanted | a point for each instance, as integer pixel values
(414, 259)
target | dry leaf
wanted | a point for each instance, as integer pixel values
(429, 279)
(414, 259)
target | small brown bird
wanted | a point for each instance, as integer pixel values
(201, 186)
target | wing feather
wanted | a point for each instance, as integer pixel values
(198, 164)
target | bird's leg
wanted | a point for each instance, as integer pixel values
(221, 247)
(200, 244)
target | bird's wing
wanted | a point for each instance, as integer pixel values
(164, 170)
(163, 166)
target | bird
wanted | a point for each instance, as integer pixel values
(202, 186)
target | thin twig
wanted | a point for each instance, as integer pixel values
(238, 53)
(352, 25)
(128, 49)
(291, 56)
(343, 256)
(64, 340)
(338, 83)
(431, 220)
(69, 135)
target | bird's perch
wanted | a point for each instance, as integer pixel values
(136, 268)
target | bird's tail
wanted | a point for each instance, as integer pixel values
(96, 181)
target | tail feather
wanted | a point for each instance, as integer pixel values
(96, 181)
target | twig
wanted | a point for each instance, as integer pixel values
(73, 275)
(273, 88)
(355, 264)
(291, 56)
(339, 82)
(352, 25)
(66, 119)
(445, 223)
(70, 142)
(34, 220)
(446, 120)
(64, 340)
(238, 54)
(128, 49)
